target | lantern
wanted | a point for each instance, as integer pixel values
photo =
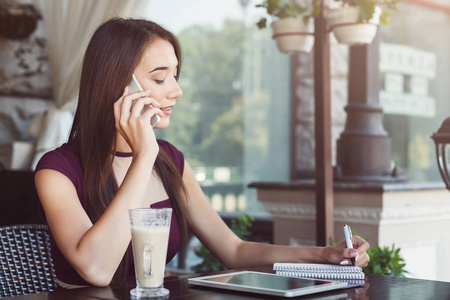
(442, 140)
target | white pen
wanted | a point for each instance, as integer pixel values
(349, 240)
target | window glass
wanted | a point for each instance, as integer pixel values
(414, 68)
(233, 121)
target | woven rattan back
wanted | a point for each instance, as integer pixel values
(26, 266)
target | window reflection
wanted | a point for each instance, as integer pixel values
(415, 65)
(232, 123)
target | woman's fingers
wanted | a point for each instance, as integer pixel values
(129, 100)
(118, 107)
(358, 253)
(347, 254)
(141, 105)
(360, 244)
(362, 260)
(133, 122)
(149, 111)
(134, 106)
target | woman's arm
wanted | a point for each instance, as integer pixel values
(207, 225)
(95, 250)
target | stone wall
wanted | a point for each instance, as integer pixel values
(304, 98)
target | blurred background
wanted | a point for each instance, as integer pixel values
(247, 111)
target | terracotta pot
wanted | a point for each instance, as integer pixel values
(293, 35)
(346, 28)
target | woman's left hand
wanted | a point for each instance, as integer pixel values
(340, 254)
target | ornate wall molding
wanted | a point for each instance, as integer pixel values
(363, 215)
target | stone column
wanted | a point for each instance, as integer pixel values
(364, 147)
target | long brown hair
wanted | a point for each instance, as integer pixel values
(112, 55)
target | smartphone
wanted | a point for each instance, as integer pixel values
(135, 86)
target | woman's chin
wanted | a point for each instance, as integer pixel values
(164, 123)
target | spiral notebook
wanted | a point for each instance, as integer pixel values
(353, 275)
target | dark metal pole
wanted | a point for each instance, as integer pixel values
(322, 127)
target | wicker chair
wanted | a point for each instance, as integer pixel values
(26, 266)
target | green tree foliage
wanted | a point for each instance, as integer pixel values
(207, 121)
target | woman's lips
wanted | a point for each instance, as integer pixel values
(167, 110)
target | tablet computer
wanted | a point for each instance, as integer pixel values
(266, 283)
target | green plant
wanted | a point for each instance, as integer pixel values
(282, 9)
(386, 261)
(240, 227)
(367, 9)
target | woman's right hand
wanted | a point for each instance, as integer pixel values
(340, 254)
(133, 124)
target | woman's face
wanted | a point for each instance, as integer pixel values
(156, 72)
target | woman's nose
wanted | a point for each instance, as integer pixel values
(176, 91)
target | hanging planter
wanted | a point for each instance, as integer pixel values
(348, 29)
(356, 21)
(292, 25)
(293, 35)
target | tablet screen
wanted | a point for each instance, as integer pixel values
(266, 283)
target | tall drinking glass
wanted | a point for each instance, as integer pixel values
(150, 237)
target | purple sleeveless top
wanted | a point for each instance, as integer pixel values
(65, 159)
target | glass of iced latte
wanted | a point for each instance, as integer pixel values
(150, 237)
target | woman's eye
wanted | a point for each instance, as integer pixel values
(159, 81)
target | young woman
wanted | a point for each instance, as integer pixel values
(113, 162)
